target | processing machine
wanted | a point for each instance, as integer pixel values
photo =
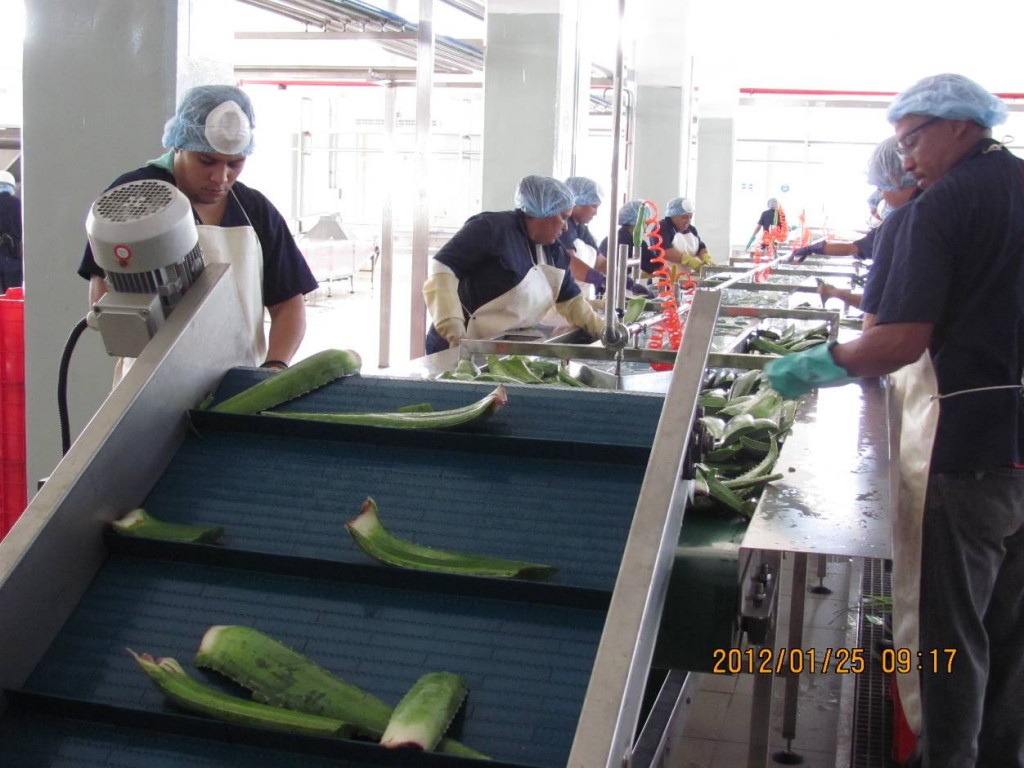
(586, 669)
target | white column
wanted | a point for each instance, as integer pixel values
(531, 85)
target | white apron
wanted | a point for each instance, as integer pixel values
(914, 412)
(239, 247)
(686, 243)
(585, 253)
(522, 307)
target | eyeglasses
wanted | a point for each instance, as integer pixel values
(903, 147)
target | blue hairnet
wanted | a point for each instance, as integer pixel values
(585, 189)
(951, 97)
(679, 206)
(885, 169)
(875, 198)
(628, 212)
(772, 203)
(6, 188)
(542, 196)
(212, 118)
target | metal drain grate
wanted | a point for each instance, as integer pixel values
(872, 716)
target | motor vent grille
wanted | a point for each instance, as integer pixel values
(133, 201)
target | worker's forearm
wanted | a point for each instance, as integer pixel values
(578, 268)
(97, 287)
(840, 249)
(287, 327)
(884, 348)
(671, 254)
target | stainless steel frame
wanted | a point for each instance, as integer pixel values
(48, 559)
(611, 709)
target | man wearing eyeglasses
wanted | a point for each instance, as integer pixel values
(950, 327)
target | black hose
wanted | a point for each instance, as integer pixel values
(62, 386)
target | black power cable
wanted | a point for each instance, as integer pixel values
(62, 385)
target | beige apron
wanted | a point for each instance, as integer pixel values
(585, 253)
(522, 307)
(239, 247)
(914, 414)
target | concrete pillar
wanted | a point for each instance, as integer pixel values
(531, 89)
(661, 57)
(100, 79)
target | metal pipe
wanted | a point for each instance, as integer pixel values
(421, 219)
(615, 264)
(387, 238)
(742, 275)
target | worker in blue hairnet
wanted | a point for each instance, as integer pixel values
(10, 234)
(208, 139)
(505, 269)
(682, 242)
(950, 324)
(897, 187)
(769, 218)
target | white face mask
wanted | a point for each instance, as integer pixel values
(228, 129)
(883, 209)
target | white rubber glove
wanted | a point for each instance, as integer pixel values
(580, 314)
(441, 294)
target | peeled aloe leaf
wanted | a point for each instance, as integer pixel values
(376, 541)
(141, 524)
(414, 420)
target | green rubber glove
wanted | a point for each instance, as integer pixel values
(800, 372)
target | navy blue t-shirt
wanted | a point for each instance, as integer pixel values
(492, 253)
(625, 237)
(884, 237)
(866, 245)
(285, 272)
(959, 263)
(575, 231)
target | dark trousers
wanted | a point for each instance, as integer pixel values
(972, 600)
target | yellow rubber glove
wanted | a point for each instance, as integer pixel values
(706, 259)
(692, 263)
(441, 294)
(580, 314)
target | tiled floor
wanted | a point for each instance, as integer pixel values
(717, 731)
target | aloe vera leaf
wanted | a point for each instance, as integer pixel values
(714, 425)
(564, 377)
(430, 420)
(306, 375)
(753, 482)
(141, 524)
(495, 378)
(763, 467)
(744, 383)
(423, 715)
(545, 369)
(281, 676)
(374, 539)
(635, 307)
(172, 680)
(467, 366)
(721, 493)
(639, 228)
(516, 368)
(417, 408)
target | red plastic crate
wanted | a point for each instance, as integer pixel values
(13, 483)
(903, 739)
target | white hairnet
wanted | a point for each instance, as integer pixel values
(585, 189)
(212, 118)
(679, 206)
(885, 168)
(951, 97)
(542, 196)
(772, 203)
(628, 212)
